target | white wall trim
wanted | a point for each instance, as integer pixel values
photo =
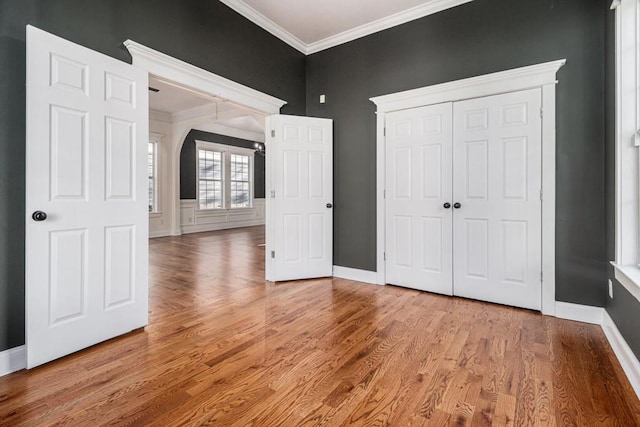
(195, 220)
(579, 313)
(363, 276)
(399, 18)
(184, 74)
(394, 20)
(599, 316)
(623, 352)
(534, 76)
(161, 116)
(629, 277)
(516, 79)
(175, 70)
(13, 360)
(262, 21)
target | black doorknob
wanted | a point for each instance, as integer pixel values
(329, 205)
(447, 205)
(457, 205)
(39, 216)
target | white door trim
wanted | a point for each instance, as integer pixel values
(203, 81)
(535, 76)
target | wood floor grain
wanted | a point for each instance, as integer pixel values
(226, 348)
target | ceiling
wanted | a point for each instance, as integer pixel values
(173, 99)
(174, 103)
(311, 26)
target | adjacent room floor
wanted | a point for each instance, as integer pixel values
(224, 347)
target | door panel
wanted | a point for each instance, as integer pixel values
(299, 197)
(497, 178)
(86, 264)
(418, 183)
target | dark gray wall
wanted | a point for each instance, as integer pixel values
(624, 308)
(476, 38)
(203, 32)
(188, 162)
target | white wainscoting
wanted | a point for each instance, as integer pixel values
(193, 220)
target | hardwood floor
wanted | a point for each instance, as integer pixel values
(224, 347)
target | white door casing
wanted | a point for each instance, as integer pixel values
(418, 191)
(497, 183)
(86, 264)
(299, 192)
(541, 76)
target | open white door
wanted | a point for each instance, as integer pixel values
(299, 238)
(86, 201)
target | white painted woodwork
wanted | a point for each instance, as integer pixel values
(541, 76)
(314, 26)
(418, 184)
(87, 133)
(497, 180)
(195, 220)
(299, 186)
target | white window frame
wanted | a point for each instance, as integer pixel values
(627, 257)
(156, 139)
(226, 151)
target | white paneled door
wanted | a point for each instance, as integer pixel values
(418, 198)
(299, 198)
(463, 198)
(497, 182)
(86, 198)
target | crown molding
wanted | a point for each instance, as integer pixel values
(203, 111)
(167, 67)
(394, 20)
(262, 21)
(489, 84)
(399, 18)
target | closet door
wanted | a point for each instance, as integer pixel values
(497, 183)
(418, 198)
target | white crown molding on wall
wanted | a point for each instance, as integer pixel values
(399, 18)
(183, 73)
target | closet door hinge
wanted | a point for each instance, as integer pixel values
(384, 256)
(541, 277)
(273, 254)
(541, 194)
(541, 112)
(273, 133)
(384, 132)
(384, 194)
(273, 194)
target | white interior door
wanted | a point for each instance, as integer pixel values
(86, 263)
(419, 197)
(299, 240)
(497, 182)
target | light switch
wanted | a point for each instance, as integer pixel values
(322, 99)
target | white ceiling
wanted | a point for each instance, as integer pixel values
(174, 103)
(314, 25)
(173, 99)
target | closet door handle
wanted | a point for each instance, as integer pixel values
(447, 205)
(457, 205)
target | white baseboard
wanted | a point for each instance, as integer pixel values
(201, 228)
(626, 357)
(580, 313)
(13, 360)
(159, 233)
(364, 276)
(599, 316)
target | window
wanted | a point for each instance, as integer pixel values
(152, 173)
(240, 196)
(627, 256)
(210, 179)
(225, 176)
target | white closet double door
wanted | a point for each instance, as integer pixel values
(463, 198)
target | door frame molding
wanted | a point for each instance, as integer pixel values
(174, 70)
(541, 76)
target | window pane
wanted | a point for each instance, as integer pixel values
(151, 174)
